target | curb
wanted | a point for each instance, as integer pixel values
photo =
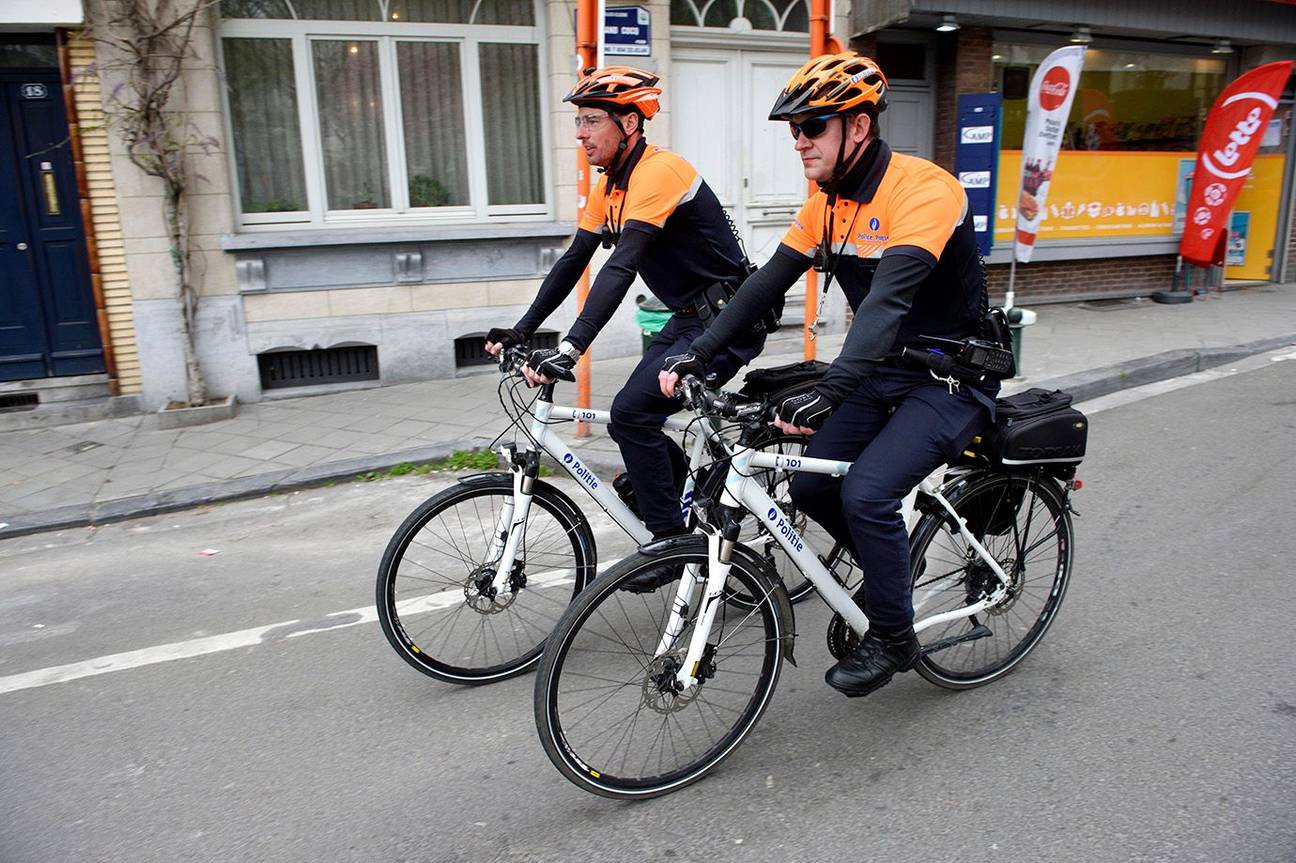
(1083, 386)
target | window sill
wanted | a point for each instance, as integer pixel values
(1073, 250)
(358, 235)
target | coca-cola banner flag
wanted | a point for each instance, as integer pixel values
(1052, 91)
(1234, 129)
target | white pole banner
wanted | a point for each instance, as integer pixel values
(1052, 91)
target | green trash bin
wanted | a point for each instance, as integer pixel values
(651, 315)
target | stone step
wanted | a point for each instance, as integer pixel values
(58, 413)
(65, 389)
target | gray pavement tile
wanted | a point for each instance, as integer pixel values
(306, 455)
(299, 435)
(187, 461)
(371, 424)
(263, 450)
(104, 457)
(231, 466)
(377, 443)
(204, 441)
(339, 439)
(408, 428)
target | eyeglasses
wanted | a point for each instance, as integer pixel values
(590, 121)
(812, 127)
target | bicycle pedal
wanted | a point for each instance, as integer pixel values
(978, 631)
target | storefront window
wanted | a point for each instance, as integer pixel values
(1127, 100)
(410, 113)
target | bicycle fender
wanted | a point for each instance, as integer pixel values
(773, 584)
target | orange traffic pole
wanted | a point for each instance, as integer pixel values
(587, 52)
(819, 28)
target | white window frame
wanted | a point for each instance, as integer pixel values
(302, 33)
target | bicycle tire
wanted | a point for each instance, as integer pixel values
(476, 639)
(1034, 545)
(605, 643)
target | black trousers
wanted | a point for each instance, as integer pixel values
(655, 463)
(897, 427)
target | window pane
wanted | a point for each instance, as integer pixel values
(1126, 100)
(432, 106)
(16, 50)
(685, 13)
(512, 12)
(338, 10)
(351, 124)
(254, 9)
(510, 82)
(263, 115)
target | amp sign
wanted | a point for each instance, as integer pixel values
(976, 159)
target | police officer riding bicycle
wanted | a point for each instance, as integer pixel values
(896, 233)
(665, 224)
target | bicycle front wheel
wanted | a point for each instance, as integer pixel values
(436, 595)
(608, 716)
(1024, 522)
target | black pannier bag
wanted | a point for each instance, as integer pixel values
(1037, 427)
(779, 382)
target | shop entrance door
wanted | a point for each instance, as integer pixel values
(48, 325)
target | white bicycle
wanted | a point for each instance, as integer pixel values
(475, 578)
(639, 695)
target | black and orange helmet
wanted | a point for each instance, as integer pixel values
(832, 84)
(614, 86)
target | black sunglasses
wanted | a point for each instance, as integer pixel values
(812, 127)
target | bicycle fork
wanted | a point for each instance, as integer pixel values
(510, 526)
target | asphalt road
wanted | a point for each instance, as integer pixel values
(1156, 722)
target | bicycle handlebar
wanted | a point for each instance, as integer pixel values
(725, 405)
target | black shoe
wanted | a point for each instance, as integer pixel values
(872, 665)
(651, 579)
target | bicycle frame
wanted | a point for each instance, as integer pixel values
(743, 493)
(513, 514)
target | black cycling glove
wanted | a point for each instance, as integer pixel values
(549, 363)
(507, 337)
(685, 364)
(807, 410)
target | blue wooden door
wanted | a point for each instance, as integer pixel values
(48, 324)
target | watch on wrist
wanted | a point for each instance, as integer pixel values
(567, 349)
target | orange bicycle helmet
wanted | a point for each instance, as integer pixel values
(832, 84)
(618, 86)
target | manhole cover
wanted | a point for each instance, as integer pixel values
(83, 446)
(1112, 305)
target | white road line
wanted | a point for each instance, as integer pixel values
(243, 638)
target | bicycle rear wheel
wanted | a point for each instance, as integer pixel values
(607, 716)
(435, 598)
(1024, 523)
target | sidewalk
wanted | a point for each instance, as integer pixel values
(101, 471)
